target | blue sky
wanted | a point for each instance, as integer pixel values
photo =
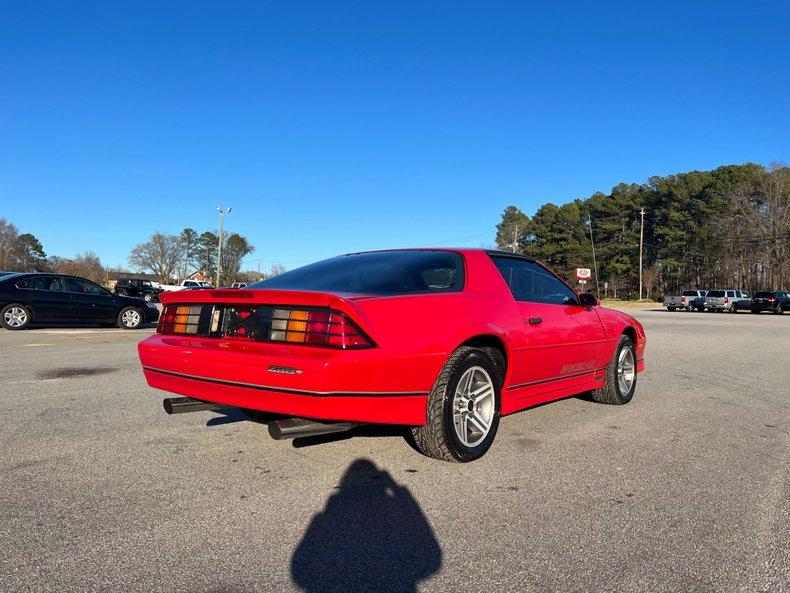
(335, 127)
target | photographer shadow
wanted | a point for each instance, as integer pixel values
(371, 536)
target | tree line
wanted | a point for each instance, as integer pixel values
(177, 256)
(168, 257)
(725, 228)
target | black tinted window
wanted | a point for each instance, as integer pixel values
(77, 285)
(716, 293)
(763, 295)
(381, 273)
(531, 282)
(44, 283)
(689, 293)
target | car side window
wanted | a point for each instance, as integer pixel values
(76, 285)
(50, 283)
(533, 283)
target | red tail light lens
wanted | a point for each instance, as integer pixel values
(316, 327)
(771, 298)
(682, 300)
(726, 300)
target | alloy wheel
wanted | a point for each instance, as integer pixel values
(473, 406)
(15, 317)
(130, 318)
(626, 371)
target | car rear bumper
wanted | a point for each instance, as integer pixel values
(357, 407)
(764, 306)
(366, 385)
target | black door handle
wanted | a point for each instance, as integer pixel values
(534, 320)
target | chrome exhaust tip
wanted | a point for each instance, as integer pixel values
(182, 405)
(291, 428)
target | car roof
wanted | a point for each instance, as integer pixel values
(24, 274)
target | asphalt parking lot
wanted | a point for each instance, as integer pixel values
(685, 489)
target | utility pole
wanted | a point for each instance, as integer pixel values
(514, 245)
(595, 263)
(222, 214)
(641, 243)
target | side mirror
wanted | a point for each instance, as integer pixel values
(588, 300)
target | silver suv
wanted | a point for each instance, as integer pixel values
(729, 300)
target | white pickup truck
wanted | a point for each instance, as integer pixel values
(688, 300)
(192, 284)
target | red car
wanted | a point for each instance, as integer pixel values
(442, 340)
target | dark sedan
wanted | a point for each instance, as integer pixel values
(27, 298)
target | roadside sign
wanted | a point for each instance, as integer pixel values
(583, 273)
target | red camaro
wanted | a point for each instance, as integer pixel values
(442, 340)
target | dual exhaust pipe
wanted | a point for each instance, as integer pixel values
(281, 429)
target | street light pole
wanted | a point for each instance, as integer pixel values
(222, 214)
(641, 242)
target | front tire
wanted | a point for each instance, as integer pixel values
(130, 318)
(780, 309)
(463, 410)
(15, 316)
(148, 297)
(620, 375)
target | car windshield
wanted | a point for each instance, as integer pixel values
(381, 273)
(716, 293)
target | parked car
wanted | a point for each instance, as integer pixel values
(727, 300)
(775, 301)
(689, 300)
(186, 284)
(444, 341)
(135, 287)
(27, 298)
(239, 285)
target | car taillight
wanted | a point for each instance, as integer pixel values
(265, 323)
(682, 300)
(726, 300)
(188, 319)
(771, 298)
(316, 327)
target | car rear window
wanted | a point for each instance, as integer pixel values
(763, 295)
(716, 293)
(689, 293)
(385, 273)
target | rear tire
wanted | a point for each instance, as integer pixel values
(780, 309)
(619, 388)
(756, 311)
(148, 297)
(463, 408)
(671, 308)
(130, 318)
(15, 316)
